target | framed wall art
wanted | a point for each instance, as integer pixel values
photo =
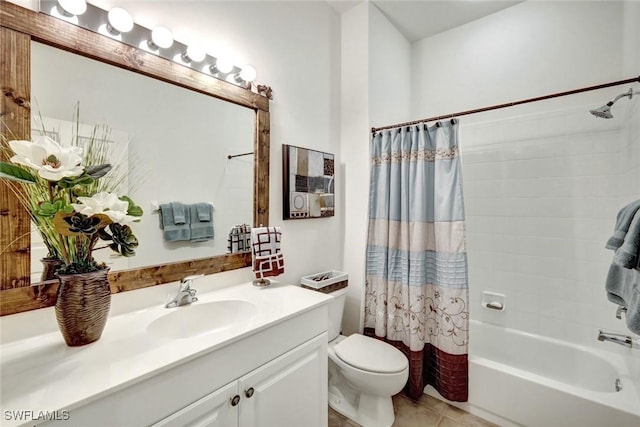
(308, 183)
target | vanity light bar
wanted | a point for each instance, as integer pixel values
(98, 20)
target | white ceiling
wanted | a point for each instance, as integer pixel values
(417, 19)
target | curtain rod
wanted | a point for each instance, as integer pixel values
(511, 104)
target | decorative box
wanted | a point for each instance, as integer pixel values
(325, 282)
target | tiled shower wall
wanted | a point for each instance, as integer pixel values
(542, 191)
(633, 180)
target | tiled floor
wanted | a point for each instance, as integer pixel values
(427, 412)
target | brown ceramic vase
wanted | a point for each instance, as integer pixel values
(82, 307)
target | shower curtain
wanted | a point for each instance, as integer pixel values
(416, 271)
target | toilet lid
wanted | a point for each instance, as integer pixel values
(370, 354)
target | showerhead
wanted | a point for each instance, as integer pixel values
(605, 111)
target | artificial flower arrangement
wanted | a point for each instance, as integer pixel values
(71, 206)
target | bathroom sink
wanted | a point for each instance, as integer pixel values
(201, 318)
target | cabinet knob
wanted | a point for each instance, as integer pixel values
(235, 400)
(249, 392)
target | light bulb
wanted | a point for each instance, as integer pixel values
(161, 37)
(119, 21)
(224, 65)
(73, 7)
(248, 73)
(194, 53)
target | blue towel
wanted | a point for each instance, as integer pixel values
(201, 222)
(623, 288)
(179, 213)
(628, 253)
(204, 211)
(173, 232)
(623, 222)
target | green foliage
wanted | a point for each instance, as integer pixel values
(16, 173)
(122, 238)
(133, 210)
(82, 224)
(82, 266)
(77, 181)
(98, 171)
(47, 209)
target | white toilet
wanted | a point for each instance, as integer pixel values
(363, 372)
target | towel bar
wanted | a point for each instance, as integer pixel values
(155, 206)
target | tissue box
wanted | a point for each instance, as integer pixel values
(325, 282)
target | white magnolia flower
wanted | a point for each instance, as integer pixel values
(104, 203)
(52, 161)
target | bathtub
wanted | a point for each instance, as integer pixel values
(516, 378)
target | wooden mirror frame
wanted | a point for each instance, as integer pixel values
(20, 26)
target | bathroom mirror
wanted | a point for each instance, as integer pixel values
(29, 39)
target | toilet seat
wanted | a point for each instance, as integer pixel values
(370, 354)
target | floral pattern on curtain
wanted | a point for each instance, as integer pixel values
(416, 272)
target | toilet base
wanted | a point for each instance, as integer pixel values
(365, 409)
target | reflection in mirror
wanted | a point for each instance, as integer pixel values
(176, 144)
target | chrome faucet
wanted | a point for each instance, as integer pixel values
(623, 340)
(186, 294)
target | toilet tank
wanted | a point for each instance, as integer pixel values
(336, 308)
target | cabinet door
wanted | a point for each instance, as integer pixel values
(213, 410)
(289, 391)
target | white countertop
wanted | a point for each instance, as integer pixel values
(41, 373)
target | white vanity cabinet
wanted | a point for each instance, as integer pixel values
(276, 368)
(288, 391)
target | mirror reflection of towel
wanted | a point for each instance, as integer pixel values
(201, 222)
(173, 231)
(204, 212)
(239, 240)
(180, 214)
(267, 259)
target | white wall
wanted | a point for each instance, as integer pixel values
(542, 182)
(631, 67)
(389, 72)
(530, 49)
(376, 87)
(354, 149)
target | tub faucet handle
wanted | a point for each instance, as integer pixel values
(621, 309)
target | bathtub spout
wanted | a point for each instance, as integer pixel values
(623, 340)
